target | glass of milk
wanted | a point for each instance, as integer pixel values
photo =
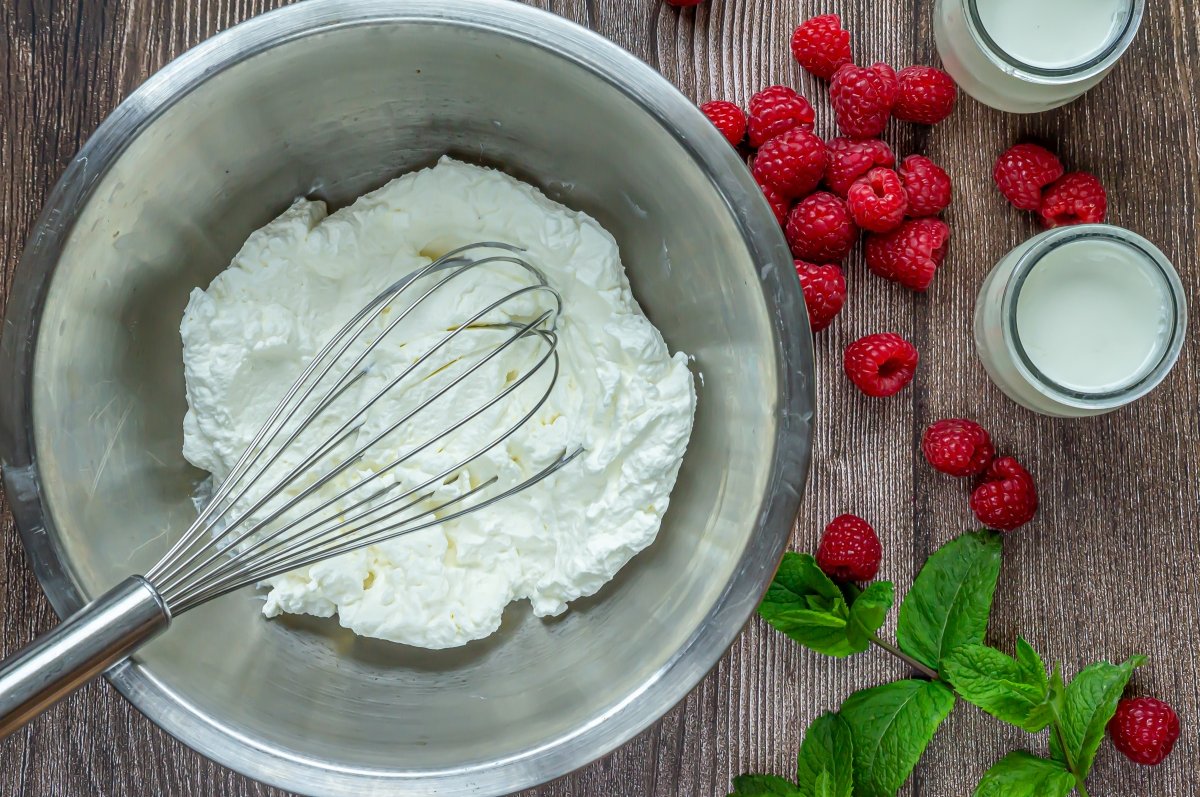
(1080, 320)
(1026, 56)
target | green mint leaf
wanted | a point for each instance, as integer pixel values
(1030, 664)
(1033, 670)
(1084, 708)
(763, 786)
(1015, 691)
(868, 612)
(949, 603)
(827, 752)
(799, 580)
(803, 603)
(1023, 774)
(891, 725)
(824, 786)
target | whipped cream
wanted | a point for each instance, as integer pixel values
(620, 395)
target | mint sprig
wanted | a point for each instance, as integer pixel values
(1022, 774)
(942, 624)
(803, 603)
(892, 724)
(949, 603)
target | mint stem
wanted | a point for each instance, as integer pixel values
(907, 659)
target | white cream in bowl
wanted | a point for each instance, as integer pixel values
(621, 396)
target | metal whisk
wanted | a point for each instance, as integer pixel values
(311, 484)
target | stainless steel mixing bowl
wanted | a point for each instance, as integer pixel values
(331, 99)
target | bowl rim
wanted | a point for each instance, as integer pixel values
(794, 403)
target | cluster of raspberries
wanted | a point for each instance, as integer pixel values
(1033, 178)
(826, 194)
(1004, 496)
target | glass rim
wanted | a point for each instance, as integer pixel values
(1147, 378)
(1081, 71)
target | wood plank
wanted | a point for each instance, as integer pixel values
(1111, 566)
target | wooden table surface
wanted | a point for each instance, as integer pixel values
(1111, 566)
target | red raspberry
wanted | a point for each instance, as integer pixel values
(958, 447)
(820, 229)
(728, 118)
(776, 110)
(878, 201)
(889, 76)
(1076, 198)
(911, 254)
(926, 95)
(1144, 729)
(1022, 173)
(862, 98)
(780, 205)
(849, 549)
(850, 159)
(1006, 498)
(927, 186)
(824, 292)
(792, 163)
(821, 46)
(881, 365)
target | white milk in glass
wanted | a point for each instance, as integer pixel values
(1093, 316)
(1081, 320)
(1032, 55)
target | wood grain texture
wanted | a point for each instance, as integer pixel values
(1111, 566)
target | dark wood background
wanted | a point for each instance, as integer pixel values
(1110, 567)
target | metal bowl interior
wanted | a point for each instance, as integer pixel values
(331, 99)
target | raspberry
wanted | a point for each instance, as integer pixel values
(958, 447)
(780, 205)
(728, 118)
(927, 186)
(849, 549)
(850, 159)
(1076, 198)
(1144, 729)
(926, 95)
(878, 201)
(792, 163)
(911, 254)
(889, 77)
(821, 46)
(1006, 498)
(1022, 173)
(776, 110)
(824, 292)
(862, 98)
(820, 229)
(881, 365)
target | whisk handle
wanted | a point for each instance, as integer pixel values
(99, 635)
